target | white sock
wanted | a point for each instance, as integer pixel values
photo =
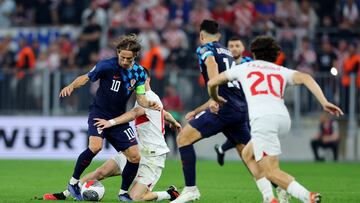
(298, 191)
(73, 181)
(66, 193)
(192, 188)
(162, 195)
(221, 150)
(265, 188)
(122, 191)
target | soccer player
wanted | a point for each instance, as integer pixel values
(231, 118)
(153, 150)
(119, 77)
(236, 47)
(264, 83)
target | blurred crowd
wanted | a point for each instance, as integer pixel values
(315, 35)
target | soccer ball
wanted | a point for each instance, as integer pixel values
(92, 190)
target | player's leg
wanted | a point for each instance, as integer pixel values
(206, 125)
(112, 167)
(83, 161)
(220, 151)
(122, 138)
(149, 173)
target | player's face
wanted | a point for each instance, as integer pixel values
(236, 48)
(126, 58)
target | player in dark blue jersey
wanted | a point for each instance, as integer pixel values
(231, 118)
(236, 47)
(119, 77)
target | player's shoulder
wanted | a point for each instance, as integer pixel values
(137, 67)
(205, 47)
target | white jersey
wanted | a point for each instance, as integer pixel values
(263, 84)
(150, 129)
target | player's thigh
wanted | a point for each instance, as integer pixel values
(247, 152)
(240, 148)
(108, 169)
(206, 125)
(237, 130)
(188, 135)
(121, 137)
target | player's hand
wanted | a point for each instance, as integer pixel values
(214, 107)
(102, 123)
(66, 91)
(220, 100)
(176, 126)
(191, 115)
(332, 109)
(154, 105)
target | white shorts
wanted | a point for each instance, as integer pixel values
(120, 160)
(265, 132)
(150, 170)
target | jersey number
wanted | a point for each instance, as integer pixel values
(115, 86)
(269, 80)
(129, 133)
(227, 66)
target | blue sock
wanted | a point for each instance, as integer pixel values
(128, 174)
(83, 162)
(227, 145)
(188, 159)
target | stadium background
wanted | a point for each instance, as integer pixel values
(45, 44)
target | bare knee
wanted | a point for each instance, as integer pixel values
(134, 158)
(95, 148)
(187, 136)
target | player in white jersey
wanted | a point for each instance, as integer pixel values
(264, 83)
(153, 149)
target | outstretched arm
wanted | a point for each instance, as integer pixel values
(124, 118)
(78, 82)
(169, 118)
(311, 84)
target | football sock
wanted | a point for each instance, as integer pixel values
(188, 159)
(265, 188)
(128, 175)
(73, 181)
(66, 193)
(298, 191)
(162, 196)
(83, 162)
(226, 146)
(122, 191)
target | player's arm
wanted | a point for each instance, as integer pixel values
(78, 82)
(169, 118)
(213, 85)
(193, 113)
(144, 102)
(305, 79)
(124, 118)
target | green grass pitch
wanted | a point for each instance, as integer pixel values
(21, 180)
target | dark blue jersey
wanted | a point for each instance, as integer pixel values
(231, 91)
(116, 86)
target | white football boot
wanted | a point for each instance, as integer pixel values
(188, 194)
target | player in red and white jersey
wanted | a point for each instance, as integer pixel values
(153, 148)
(264, 83)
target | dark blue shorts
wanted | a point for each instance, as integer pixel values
(234, 124)
(120, 137)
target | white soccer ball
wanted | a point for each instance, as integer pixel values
(92, 190)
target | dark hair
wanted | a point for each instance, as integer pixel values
(209, 26)
(235, 38)
(129, 43)
(265, 48)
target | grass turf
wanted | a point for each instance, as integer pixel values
(21, 180)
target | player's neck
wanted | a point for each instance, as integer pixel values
(238, 60)
(210, 39)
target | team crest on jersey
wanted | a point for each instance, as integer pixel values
(203, 50)
(132, 84)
